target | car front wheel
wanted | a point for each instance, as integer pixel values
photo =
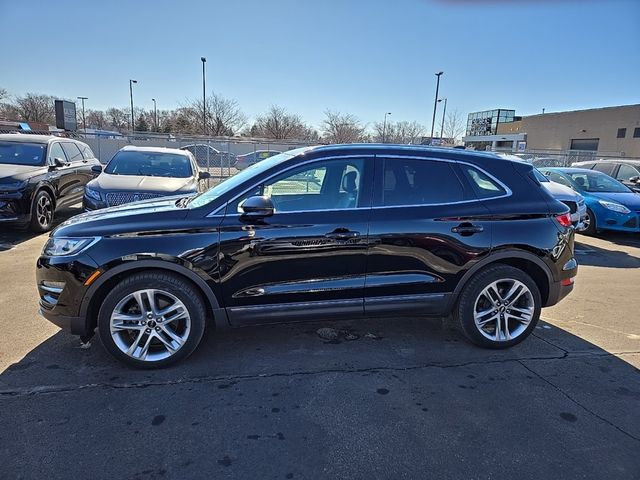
(499, 307)
(152, 319)
(42, 212)
(589, 224)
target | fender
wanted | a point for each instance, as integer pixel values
(219, 314)
(496, 257)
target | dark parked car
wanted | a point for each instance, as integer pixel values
(39, 175)
(251, 158)
(207, 156)
(316, 233)
(624, 170)
(141, 173)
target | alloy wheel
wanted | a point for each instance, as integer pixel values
(150, 325)
(503, 310)
(44, 211)
(587, 221)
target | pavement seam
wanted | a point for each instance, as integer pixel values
(52, 389)
(576, 402)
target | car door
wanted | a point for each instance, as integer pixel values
(76, 177)
(307, 260)
(625, 173)
(88, 161)
(426, 230)
(62, 177)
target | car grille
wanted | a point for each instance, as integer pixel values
(573, 206)
(120, 198)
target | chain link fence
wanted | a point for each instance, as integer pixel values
(561, 158)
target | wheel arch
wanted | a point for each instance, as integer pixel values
(98, 291)
(520, 259)
(47, 188)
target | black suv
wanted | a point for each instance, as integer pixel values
(316, 233)
(40, 174)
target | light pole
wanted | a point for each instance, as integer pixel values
(84, 119)
(443, 113)
(435, 104)
(204, 98)
(155, 113)
(384, 128)
(131, 82)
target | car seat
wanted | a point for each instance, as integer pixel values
(350, 186)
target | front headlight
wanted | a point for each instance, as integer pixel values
(60, 246)
(616, 207)
(13, 186)
(91, 193)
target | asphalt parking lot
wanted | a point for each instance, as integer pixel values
(389, 398)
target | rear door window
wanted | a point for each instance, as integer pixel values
(419, 182)
(625, 172)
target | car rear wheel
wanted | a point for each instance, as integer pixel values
(589, 223)
(499, 307)
(152, 319)
(42, 212)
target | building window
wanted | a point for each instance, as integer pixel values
(589, 144)
(622, 132)
(636, 132)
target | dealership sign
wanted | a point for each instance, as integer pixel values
(66, 115)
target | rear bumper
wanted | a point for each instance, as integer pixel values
(557, 292)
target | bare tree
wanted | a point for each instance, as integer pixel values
(223, 116)
(342, 128)
(400, 132)
(96, 119)
(454, 127)
(279, 124)
(3, 94)
(33, 107)
(118, 118)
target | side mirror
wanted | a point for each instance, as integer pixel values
(257, 207)
(635, 179)
(58, 162)
(203, 175)
(96, 168)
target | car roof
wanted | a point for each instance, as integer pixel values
(614, 160)
(571, 169)
(29, 138)
(134, 148)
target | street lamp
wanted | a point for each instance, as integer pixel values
(84, 119)
(435, 104)
(131, 82)
(204, 98)
(155, 113)
(443, 113)
(384, 127)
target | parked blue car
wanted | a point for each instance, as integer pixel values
(610, 204)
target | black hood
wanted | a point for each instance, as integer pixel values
(19, 172)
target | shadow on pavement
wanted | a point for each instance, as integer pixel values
(600, 257)
(387, 399)
(11, 235)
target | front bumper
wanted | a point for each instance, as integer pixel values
(61, 289)
(622, 222)
(89, 204)
(14, 208)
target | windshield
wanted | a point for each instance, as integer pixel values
(239, 178)
(596, 182)
(151, 164)
(19, 153)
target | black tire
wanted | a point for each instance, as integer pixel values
(471, 293)
(169, 283)
(42, 211)
(592, 229)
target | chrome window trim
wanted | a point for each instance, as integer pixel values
(508, 191)
(224, 206)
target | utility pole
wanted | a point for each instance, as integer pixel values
(435, 104)
(384, 128)
(204, 98)
(443, 113)
(155, 113)
(131, 82)
(84, 118)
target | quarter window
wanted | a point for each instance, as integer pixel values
(483, 186)
(419, 182)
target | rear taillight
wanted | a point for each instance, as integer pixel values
(564, 219)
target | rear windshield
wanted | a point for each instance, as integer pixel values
(151, 164)
(19, 153)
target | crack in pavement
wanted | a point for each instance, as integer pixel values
(576, 402)
(53, 389)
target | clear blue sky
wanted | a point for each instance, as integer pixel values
(362, 57)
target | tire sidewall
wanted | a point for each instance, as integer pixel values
(464, 309)
(173, 284)
(593, 228)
